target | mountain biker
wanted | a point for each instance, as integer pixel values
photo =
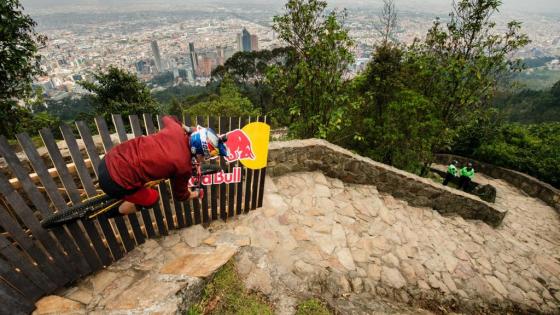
(467, 175)
(170, 153)
(451, 172)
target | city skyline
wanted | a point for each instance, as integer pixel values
(188, 45)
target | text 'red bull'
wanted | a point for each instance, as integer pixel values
(220, 178)
(239, 146)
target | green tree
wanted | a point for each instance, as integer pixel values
(249, 69)
(555, 90)
(311, 93)
(119, 92)
(460, 63)
(229, 103)
(175, 108)
(19, 64)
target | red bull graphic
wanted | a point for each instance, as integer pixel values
(220, 178)
(249, 145)
(239, 146)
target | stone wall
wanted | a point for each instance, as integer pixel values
(530, 185)
(336, 162)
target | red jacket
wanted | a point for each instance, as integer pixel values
(165, 154)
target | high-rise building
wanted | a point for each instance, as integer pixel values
(254, 43)
(157, 56)
(193, 58)
(244, 40)
(221, 55)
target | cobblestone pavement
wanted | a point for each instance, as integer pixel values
(365, 252)
(382, 247)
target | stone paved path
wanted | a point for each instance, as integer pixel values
(364, 251)
(383, 247)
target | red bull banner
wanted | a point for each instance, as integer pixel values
(249, 145)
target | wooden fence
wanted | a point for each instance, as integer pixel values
(34, 262)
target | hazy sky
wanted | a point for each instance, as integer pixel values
(546, 6)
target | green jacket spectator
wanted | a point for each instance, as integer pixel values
(468, 173)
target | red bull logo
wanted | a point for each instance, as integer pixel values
(239, 146)
(220, 178)
(249, 145)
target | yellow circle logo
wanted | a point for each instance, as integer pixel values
(249, 145)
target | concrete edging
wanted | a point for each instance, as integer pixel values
(314, 154)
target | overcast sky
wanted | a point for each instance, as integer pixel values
(533, 6)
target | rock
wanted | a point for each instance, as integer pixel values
(54, 304)
(379, 245)
(145, 293)
(325, 243)
(408, 272)
(345, 258)
(321, 191)
(302, 269)
(274, 201)
(423, 285)
(485, 192)
(199, 264)
(450, 263)
(81, 295)
(347, 211)
(434, 282)
(374, 272)
(101, 280)
(534, 297)
(461, 254)
(515, 294)
(390, 260)
(357, 285)
(392, 277)
(259, 280)
(338, 285)
(386, 216)
(548, 264)
(338, 236)
(194, 235)
(171, 240)
(299, 234)
(360, 255)
(471, 247)
(448, 281)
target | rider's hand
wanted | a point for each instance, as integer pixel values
(193, 194)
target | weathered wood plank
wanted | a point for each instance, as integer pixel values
(204, 121)
(79, 262)
(248, 183)
(73, 194)
(262, 175)
(12, 302)
(239, 200)
(57, 270)
(126, 240)
(91, 149)
(232, 193)
(87, 184)
(19, 281)
(223, 128)
(121, 131)
(213, 188)
(68, 264)
(256, 180)
(17, 258)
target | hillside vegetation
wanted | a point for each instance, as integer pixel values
(438, 94)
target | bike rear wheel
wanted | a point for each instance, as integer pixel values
(76, 212)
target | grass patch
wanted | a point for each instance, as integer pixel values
(226, 294)
(312, 307)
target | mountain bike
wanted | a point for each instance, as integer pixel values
(95, 206)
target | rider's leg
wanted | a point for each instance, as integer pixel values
(145, 197)
(127, 208)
